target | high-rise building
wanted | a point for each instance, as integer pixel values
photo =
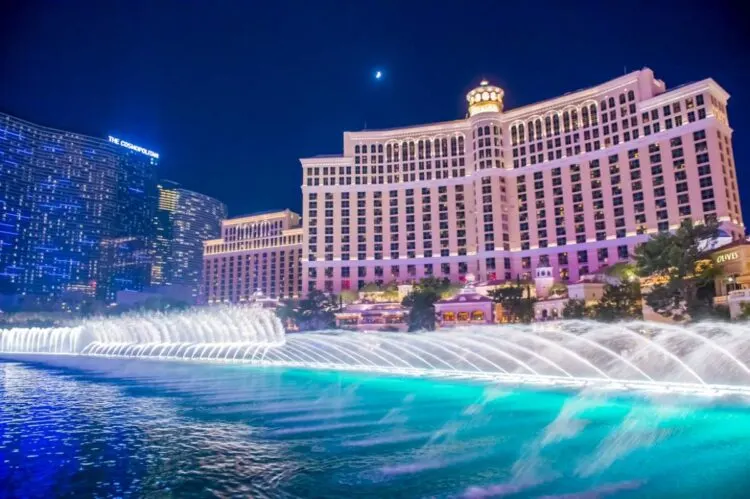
(63, 196)
(563, 187)
(184, 221)
(124, 264)
(259, 252)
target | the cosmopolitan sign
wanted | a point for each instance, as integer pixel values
(133, 147)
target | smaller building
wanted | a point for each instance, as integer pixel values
(372, 316)
(468, 307)
(259, 252)
(733, 284)
(590, 289)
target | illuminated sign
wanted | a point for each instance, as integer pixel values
(133, 147)
(727, 257)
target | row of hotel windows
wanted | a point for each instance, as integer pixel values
(672, 116)
(727, 168)
(225, 280)
(603, 256)
(253, 244)
(416, 157)
(533, 154)
(595, 184)
(411, 150)
(371, 221)
(395, 174)
(253, 230)
(488, 207)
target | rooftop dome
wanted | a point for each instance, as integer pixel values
(485, 98)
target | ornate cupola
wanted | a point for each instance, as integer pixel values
(485, 98)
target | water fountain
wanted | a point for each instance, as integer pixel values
(704, 358)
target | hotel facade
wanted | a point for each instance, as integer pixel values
(256, 253)
(568, 186)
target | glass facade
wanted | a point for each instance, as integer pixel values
(184, 221)
(65, 197)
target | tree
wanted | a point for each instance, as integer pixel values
(516, 308)
(619, 302)
(421, 305)
(421, 302)
(575, 309)
(443, 287)
(682, 276)
(622, 271)
(348, 296)
(314, 312)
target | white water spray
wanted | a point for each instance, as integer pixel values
(710, 358)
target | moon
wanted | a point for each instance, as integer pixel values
(378, 75)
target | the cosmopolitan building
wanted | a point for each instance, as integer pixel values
(185, 220)
(568, 185)
(255, 253)
(65, 198)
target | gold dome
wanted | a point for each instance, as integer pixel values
(485, 98)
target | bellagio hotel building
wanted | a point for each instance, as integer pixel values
(570, 185)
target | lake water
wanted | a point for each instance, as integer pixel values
(139, 428)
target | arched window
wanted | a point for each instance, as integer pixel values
(530, 130)
(521, 134)
(603, 105)
(574, 118)
(372, 148)
(460, 144)
(538, 129)
(380, 148)
(486, 129)
(388, 152)
(556, 124)
(514, 135)
(622, 98)
(585, 116)
(594, 117)
(631, 95)
(548, 125)
(611, 102)
(566, 121)
(356, 149)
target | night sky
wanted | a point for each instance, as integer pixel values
(233, 93)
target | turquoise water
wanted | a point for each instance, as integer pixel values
(124, 428)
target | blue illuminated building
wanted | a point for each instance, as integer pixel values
(65, 200)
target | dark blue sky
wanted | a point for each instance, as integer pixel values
(232, 93)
